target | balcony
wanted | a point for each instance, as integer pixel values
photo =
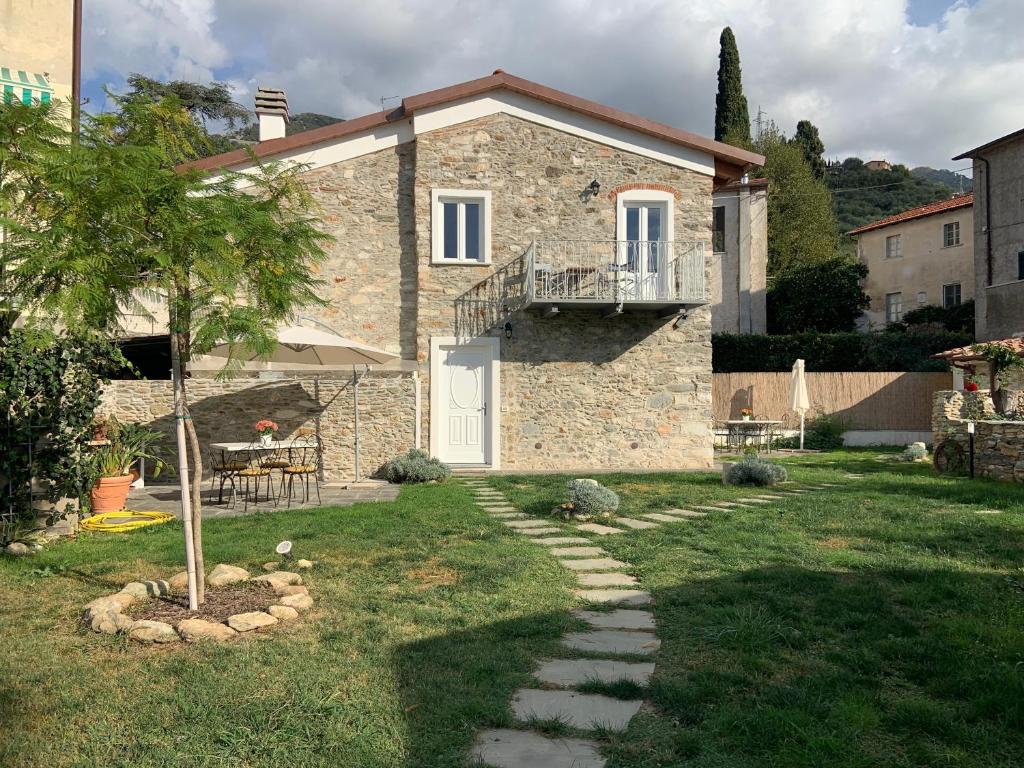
(609, 276)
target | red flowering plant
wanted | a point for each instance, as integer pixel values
(266, 427)
(971, 386)
(746, 411)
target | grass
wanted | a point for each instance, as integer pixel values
(877, 623)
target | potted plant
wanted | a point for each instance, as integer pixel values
(746, 413)
(114, 463)
(266, 428)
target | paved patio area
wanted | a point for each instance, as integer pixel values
(167, 498)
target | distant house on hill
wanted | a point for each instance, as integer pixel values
(878, 165)
(921, 256)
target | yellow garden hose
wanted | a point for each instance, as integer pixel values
(132, 521)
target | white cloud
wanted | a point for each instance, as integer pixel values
(874, 84)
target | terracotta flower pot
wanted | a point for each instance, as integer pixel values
(109, 493)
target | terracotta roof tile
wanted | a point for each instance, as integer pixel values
(962, 201)
(967, 354)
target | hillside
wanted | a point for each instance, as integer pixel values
(877, 193)
(303, 121)
(957, 182)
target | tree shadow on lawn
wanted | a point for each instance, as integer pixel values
(782, 666)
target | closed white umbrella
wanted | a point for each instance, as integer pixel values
(301, 345)
(799, 402)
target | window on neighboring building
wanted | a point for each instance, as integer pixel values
(951, 234)
(893, 307)
(1020, 265)
(951, 295)
(718, 229)
(922, 298)
(461, 227)
(893, 247)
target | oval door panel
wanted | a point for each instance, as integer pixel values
(464, 387)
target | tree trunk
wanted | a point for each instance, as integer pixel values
(197, 508)
(179, 419)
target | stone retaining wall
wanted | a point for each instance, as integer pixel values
(998, 445)
(225, 411)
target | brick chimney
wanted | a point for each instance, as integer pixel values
(272, 112)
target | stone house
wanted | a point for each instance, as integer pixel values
(998, 236)
(922, 256)
(541, 264)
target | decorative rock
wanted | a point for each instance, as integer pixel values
(246, 622)
(508, 748)
(224, 574)
(268, 567)
(116, 602)
(304, 564)
(287, 577)
(283, 612)
(107, 620)
(197, 630)
(298, 602)
(179, 581)
(144, 589)
(291, 589)
(17, 549)
(146, 631)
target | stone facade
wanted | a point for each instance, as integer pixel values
(998, 445)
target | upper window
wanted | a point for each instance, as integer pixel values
(951, 295)
(893, 247)
(718, 229)
(460, 226)
(893, 307)
(951, 234)
(1020, 265)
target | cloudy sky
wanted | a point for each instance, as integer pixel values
(914, 81)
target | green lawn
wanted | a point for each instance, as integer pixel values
(879, 623)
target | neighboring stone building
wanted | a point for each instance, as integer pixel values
(37, 50)
(739, 240)
(917, 257)
(542, 264)
(878, 165)
(999, 236)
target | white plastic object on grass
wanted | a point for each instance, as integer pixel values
(284, 549)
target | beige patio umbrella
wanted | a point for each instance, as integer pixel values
(799, 402)
(302, 345)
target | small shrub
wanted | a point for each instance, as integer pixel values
(824, 433)
(755, 471)
(588, 499)
(915, 452)
(416, 466)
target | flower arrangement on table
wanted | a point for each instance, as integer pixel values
(746, 413)
(266, 428)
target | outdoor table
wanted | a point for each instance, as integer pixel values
(256, 445)
(756, 431)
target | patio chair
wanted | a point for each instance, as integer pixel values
(721, 435)
(306, 455)
(224, 469)
(254, 474)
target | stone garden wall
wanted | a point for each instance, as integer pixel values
(998, 445)
(225, 411)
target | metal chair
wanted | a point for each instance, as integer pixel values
(254, 474)
(225, 468)
(306, 455)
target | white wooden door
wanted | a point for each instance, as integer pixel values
(464, 418)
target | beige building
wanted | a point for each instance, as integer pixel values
(542, 265)
(37, 50)
(924, 256)
(999, 236)
(739, 241)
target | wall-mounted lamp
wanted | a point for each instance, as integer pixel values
(508, 330)
(679, 319)
(593, 190)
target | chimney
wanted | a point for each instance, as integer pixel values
(272, 112)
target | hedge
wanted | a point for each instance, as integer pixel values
(884, 351)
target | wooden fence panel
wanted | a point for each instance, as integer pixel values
(889, 400)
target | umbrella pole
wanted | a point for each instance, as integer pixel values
(801, 430)
(355, 406)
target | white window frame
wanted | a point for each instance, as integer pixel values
(437, 199)
(897, 252)
(960, 295)
(899, 307)
(954, 227)
(654, 196)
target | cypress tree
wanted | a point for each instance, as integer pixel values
(809, 142)
(732, 121)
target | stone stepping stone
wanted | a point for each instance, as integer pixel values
(639, 525)
(709, 509)
(614, 596)
(684, 513)
(579, 710)
(538, 531)
(499, 507)
(508, 748)
(770, 497)
(612, 641)
(506, 515)
(526, 523)
(854, 477)
(799, 490)
(622, 618)
(558, 541)
(597, 564)
(728, 503)
(571, 673)
(988, 511)
(661, 518)
(830, 485)
(600, 530)
(576, 551)
(754, 501)
(605, 580)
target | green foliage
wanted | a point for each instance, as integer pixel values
(957, 318)
(883, 351)
(824, 432)
(1000, 359)
(801, 224)
(416, 466)
(877, 194)
(755, 471)
(49, 390)
(589, 498)
(303, 121)
(732, 120)
(204, 103)
(127, 444)
(956, 182)
(914, 452)
(823, 296)
(809, 142)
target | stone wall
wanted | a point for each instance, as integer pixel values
(998, 445)
(578, 390)
(225, 411)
